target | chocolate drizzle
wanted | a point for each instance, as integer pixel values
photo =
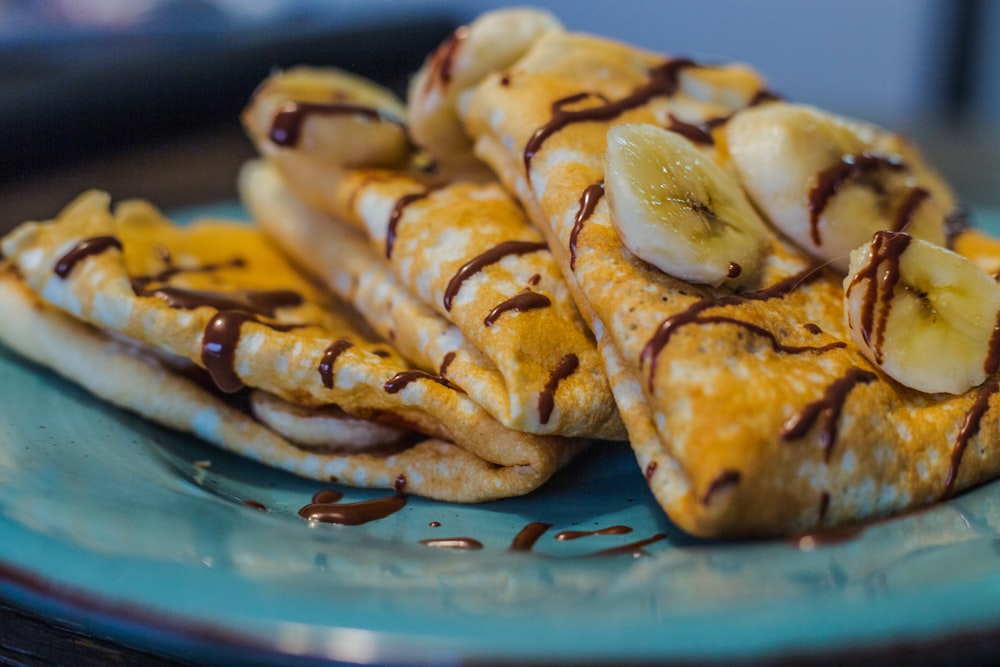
(827, 409)
(286, 126)
(141, 283)
(527, 536)
(330, 358)
(257, 302)
(546, 399)
(443, 59)
(518, 302)
(970, 427)
(218, 348)
(396, 214)
(829, 181)
(698, 134)
(354, 514)
(881, 271)
(92, 246)
(588, 202)
(632, 548)
(481, 261)
(663, 81)
(400, 380)
(908, 208)
(566, 535)
(692, 315)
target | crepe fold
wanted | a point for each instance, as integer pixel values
(750, 413)
(174, 321)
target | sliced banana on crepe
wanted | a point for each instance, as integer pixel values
(926, 316)
(675, 208)
(333, 116)
(830, 182)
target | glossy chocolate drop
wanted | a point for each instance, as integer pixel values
(86, 248)
(827, 409)
(481, 261)
(354, 514)
(527, 537)
(566, 535)
(546, 399)
(218, 348)
(588, 202)
(462, 543)
(519, 302)
(327, 496)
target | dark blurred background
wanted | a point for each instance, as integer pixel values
(141, 97)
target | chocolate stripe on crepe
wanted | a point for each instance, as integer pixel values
(588, 202)
(970, 427)
(286, 126)
(519, 302)
(396, 215)
(92, 246)
(829, 408)
(480, 262)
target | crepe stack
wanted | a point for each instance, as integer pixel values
(208, 329)
(750, 401)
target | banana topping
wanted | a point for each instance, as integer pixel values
(676, 209)
(829, 182)
(334, 117)
(925, 315)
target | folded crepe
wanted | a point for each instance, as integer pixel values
(750, 402)
(452, 272)
(179, 323)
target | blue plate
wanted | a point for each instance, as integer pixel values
(120, 528)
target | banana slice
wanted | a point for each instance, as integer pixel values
(678, 210)
(829, 182)
(329, 116)
(491, 43)
(926, 316)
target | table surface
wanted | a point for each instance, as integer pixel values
(201, 168)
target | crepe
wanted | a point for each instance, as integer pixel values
(452, 272)
(136, 309)
(751, 412)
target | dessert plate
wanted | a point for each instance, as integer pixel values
(158, 541)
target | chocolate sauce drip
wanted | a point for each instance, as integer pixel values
(663, 81)
(546, 399)
(651, 470)
(632, 548)
(140, 283)
(698, 134)
(651, 350)
(824, 506)
(286, 127)
(92, 246)
(463, 543)
(400, 483)
(908, 208)
(443, 59)
(812, 328)
(534, 280)
(445, 363)
(255, 504)
(826, 410)
(527, 536)
(256, 302)
(566, 535)
(956, 222)
(505, 79)
(434, 524)
(354, 514)
(829, 181)
(396, 214)
(400, 380)
(588, 202)
(327, 496)
(330, 358)
(218, 348)
(478, 263)
(519, 302)
(882, 271)
(725, 479)
(970, 427)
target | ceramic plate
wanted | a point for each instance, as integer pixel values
(152, 538)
